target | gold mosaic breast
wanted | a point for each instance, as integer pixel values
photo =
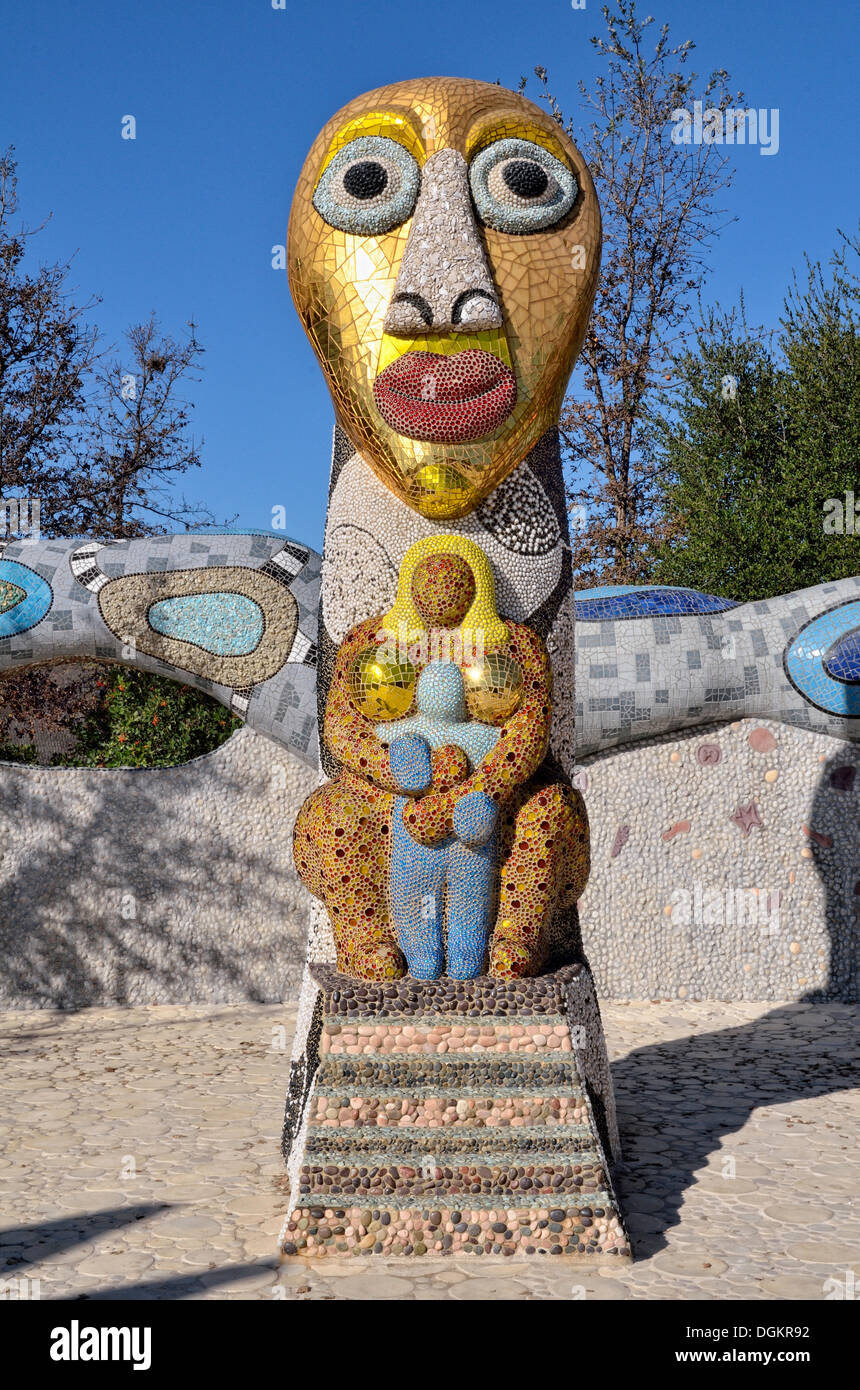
(382, 688)
(494, 687)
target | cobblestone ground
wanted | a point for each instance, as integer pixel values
(140, 1160)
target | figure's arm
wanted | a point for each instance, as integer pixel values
(349, 735)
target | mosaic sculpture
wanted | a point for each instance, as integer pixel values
(435, 846)
(443, 250)
(234, 615)
(449, 1089)
(650, 660)
(440, 838)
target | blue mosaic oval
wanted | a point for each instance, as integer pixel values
(611, 602)
(220, 623)
(37, 597)
(842, 662)
(812, 658)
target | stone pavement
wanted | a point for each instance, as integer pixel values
(139, 1159)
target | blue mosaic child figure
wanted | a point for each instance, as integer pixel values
(462, 868)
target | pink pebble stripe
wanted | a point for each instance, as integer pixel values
(375, 1039)
(340, 1112)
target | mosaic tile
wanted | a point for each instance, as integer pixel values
(407, 1152)
(480, 150)
(478, 855)
(27, 598)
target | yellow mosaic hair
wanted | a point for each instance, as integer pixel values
(391, 123)
(507, 127)
(481, 623)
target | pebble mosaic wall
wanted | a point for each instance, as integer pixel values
(164, 886)
(725, 865)
(224, 918)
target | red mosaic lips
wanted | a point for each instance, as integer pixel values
(446, 399)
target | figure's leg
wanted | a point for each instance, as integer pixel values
(545, 861)
(416, 887)
(340, 846)
(471, 884)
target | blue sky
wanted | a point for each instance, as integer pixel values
(228, 97)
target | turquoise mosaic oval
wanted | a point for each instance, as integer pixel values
(36, 598)
(223, 624)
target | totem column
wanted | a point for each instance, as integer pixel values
(443, 252)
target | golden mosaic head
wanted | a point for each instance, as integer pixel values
(443, 252)
(443, 587)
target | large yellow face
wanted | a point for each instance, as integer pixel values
(443, 252)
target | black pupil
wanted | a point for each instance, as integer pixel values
(525, 178)
(365, 179)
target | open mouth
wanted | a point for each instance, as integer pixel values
(445, 399)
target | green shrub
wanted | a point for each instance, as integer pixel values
(148, 721)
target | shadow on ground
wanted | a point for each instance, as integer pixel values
(52, 1238)
(679, 1101)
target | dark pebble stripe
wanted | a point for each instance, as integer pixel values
(315, 1185)
(474, 998)
(429, 1145)
(508, 1070)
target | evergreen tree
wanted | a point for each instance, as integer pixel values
(759, 445)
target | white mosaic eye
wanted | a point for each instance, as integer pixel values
(520, 187)
(369, 187)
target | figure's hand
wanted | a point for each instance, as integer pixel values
(474, 819)
(409, 757)
(428, 819)
(450, 767)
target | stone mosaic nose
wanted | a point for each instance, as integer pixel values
(444, 283)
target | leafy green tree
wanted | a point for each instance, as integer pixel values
(758, 446)
(821, 342)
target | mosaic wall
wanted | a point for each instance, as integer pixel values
(680, 902)
(233, 614)
(653, 660)
(236, 615)
(164, 886)
(725, 865)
